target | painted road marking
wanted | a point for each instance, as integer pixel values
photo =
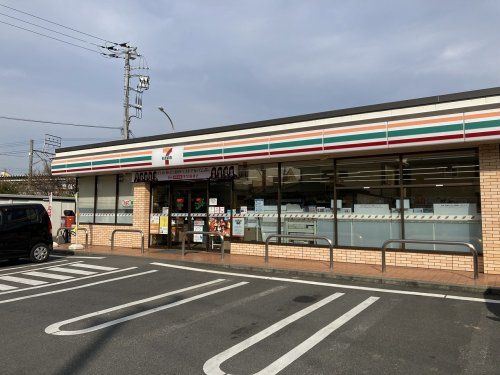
(94, 267)
(38, 269)
(76, 256)
(70, 270)
(31, 266)
(48, 275)
(331, 285)
(54, 329)
(79, 286)
(22, 280)
(7, 287)
(66, 281)
(212, 366)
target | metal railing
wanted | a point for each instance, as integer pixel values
(127, 231)
(300, 237)
(209, 234)
(470, 246)
(58, 233)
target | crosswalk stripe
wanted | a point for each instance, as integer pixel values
(7, 287)
(93, 267)
(22, 280)
(48, 275)
(70, 270)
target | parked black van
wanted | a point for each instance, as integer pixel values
(25, 232)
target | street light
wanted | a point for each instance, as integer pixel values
(162, 110)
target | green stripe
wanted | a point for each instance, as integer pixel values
(429, 130)
(60, 166)
(203, 152)
(304, 142)
(354, 137)
(482, 124)
(230, 150)
(135, 158)
(108, 161)
(84, 164)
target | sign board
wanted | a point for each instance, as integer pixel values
(259, 205)
(163, 224)
(225, 172)
(238, 227)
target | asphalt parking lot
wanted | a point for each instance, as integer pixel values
(121, 315)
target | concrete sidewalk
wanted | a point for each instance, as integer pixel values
(404, 276)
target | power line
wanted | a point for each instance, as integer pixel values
(51, 30)
(58, 24)
(59, 123)
(51, 37)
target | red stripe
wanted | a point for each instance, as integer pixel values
(146, 164)
(203, 159)
(246, 155)
(427, 139)
(78, 170)
(106, 167)
(320, 148)
(354, 145)
(482, 134)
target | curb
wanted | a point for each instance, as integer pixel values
(324, 275)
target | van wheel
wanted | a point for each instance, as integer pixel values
(39, 253)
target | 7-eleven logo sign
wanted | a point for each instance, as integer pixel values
(167, 155)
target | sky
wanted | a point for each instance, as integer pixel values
(216, 63)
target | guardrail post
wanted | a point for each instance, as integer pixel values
(298, 237)
(127, 231)
(209, 234)
(470, 246)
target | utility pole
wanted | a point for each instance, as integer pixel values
(126, 104)
(30, 166)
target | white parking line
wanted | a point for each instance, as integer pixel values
(54, 329)
(331, 285)
(7, 287)
(32, 265)
(94, 267)
(79, 286)
(66, 281)
(212, 366)
(38, 269)
(22, 280)
(48, 275)
(76, 256)
(72, 271)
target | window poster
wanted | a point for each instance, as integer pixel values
(238, 227)
(199, 226)
(163, 224)
(212, 202)
(259, 205)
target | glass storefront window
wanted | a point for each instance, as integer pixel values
(449, 213)
(86, 192)
(441, 168)
(125, 212)
(307, 200)
(371, 171)
(368, 217)
(256, 201)
(106, 200)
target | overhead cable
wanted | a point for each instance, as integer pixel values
(60, 123)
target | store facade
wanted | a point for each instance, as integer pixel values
(418, 169)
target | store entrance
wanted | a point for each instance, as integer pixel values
(189, 211)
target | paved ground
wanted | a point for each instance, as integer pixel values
(122, 315)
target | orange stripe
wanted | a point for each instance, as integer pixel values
(246, 141)
(353, 130)
(481, 115)
(424, 122)
(205, 145)
(101, 157)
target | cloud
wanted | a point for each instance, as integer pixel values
(217, 62)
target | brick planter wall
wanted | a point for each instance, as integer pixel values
(419, 260)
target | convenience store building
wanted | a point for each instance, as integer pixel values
(424, 168)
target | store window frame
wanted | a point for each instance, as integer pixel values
(117, 195)
(400, 186)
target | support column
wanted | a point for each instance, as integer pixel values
(142, 199)
(489, 164)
